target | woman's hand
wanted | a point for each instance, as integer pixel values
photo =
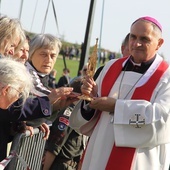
(59, 93)
(45, 129)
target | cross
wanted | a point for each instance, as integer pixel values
(137, 121)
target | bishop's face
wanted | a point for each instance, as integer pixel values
(144, 41)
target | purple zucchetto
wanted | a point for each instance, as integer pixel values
(153, 20)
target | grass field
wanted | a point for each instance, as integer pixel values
(72, 65)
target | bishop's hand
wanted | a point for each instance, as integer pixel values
(89, 88)
(103, 103)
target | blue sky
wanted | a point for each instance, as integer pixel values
(72, 18)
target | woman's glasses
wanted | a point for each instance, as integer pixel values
(19, 93)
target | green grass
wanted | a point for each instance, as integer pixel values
(72, 65)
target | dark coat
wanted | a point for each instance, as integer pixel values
(63, 82)
(33, 108)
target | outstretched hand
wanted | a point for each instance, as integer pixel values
(59, 93)
(63, 97)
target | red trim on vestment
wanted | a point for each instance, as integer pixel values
(111, 76)
(122, 157)
(151, 84)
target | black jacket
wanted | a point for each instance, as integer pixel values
(33, 108)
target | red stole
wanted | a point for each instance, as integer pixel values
(122, 157)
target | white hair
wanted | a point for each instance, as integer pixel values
(44, 41)
(15, 74)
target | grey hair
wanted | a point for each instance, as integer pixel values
(15, 74)
(10, 29)
(156, 29)
(44, 41)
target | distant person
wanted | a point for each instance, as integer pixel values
(128, 120)
(52, 83)
(101, 56)
(105, 56)
(125, 46)
(112, 55)
(64, 80)
(78, 52)
(72, 52)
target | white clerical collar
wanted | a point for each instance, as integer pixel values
(135, 64)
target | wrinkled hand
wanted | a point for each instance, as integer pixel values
(89, 87)
(31, 129)
(59, 93)
(103, 103)
(45, 129)
(66, 101)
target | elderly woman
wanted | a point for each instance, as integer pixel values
(44, 49)
(15, 82)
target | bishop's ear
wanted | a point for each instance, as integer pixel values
(160, 42)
